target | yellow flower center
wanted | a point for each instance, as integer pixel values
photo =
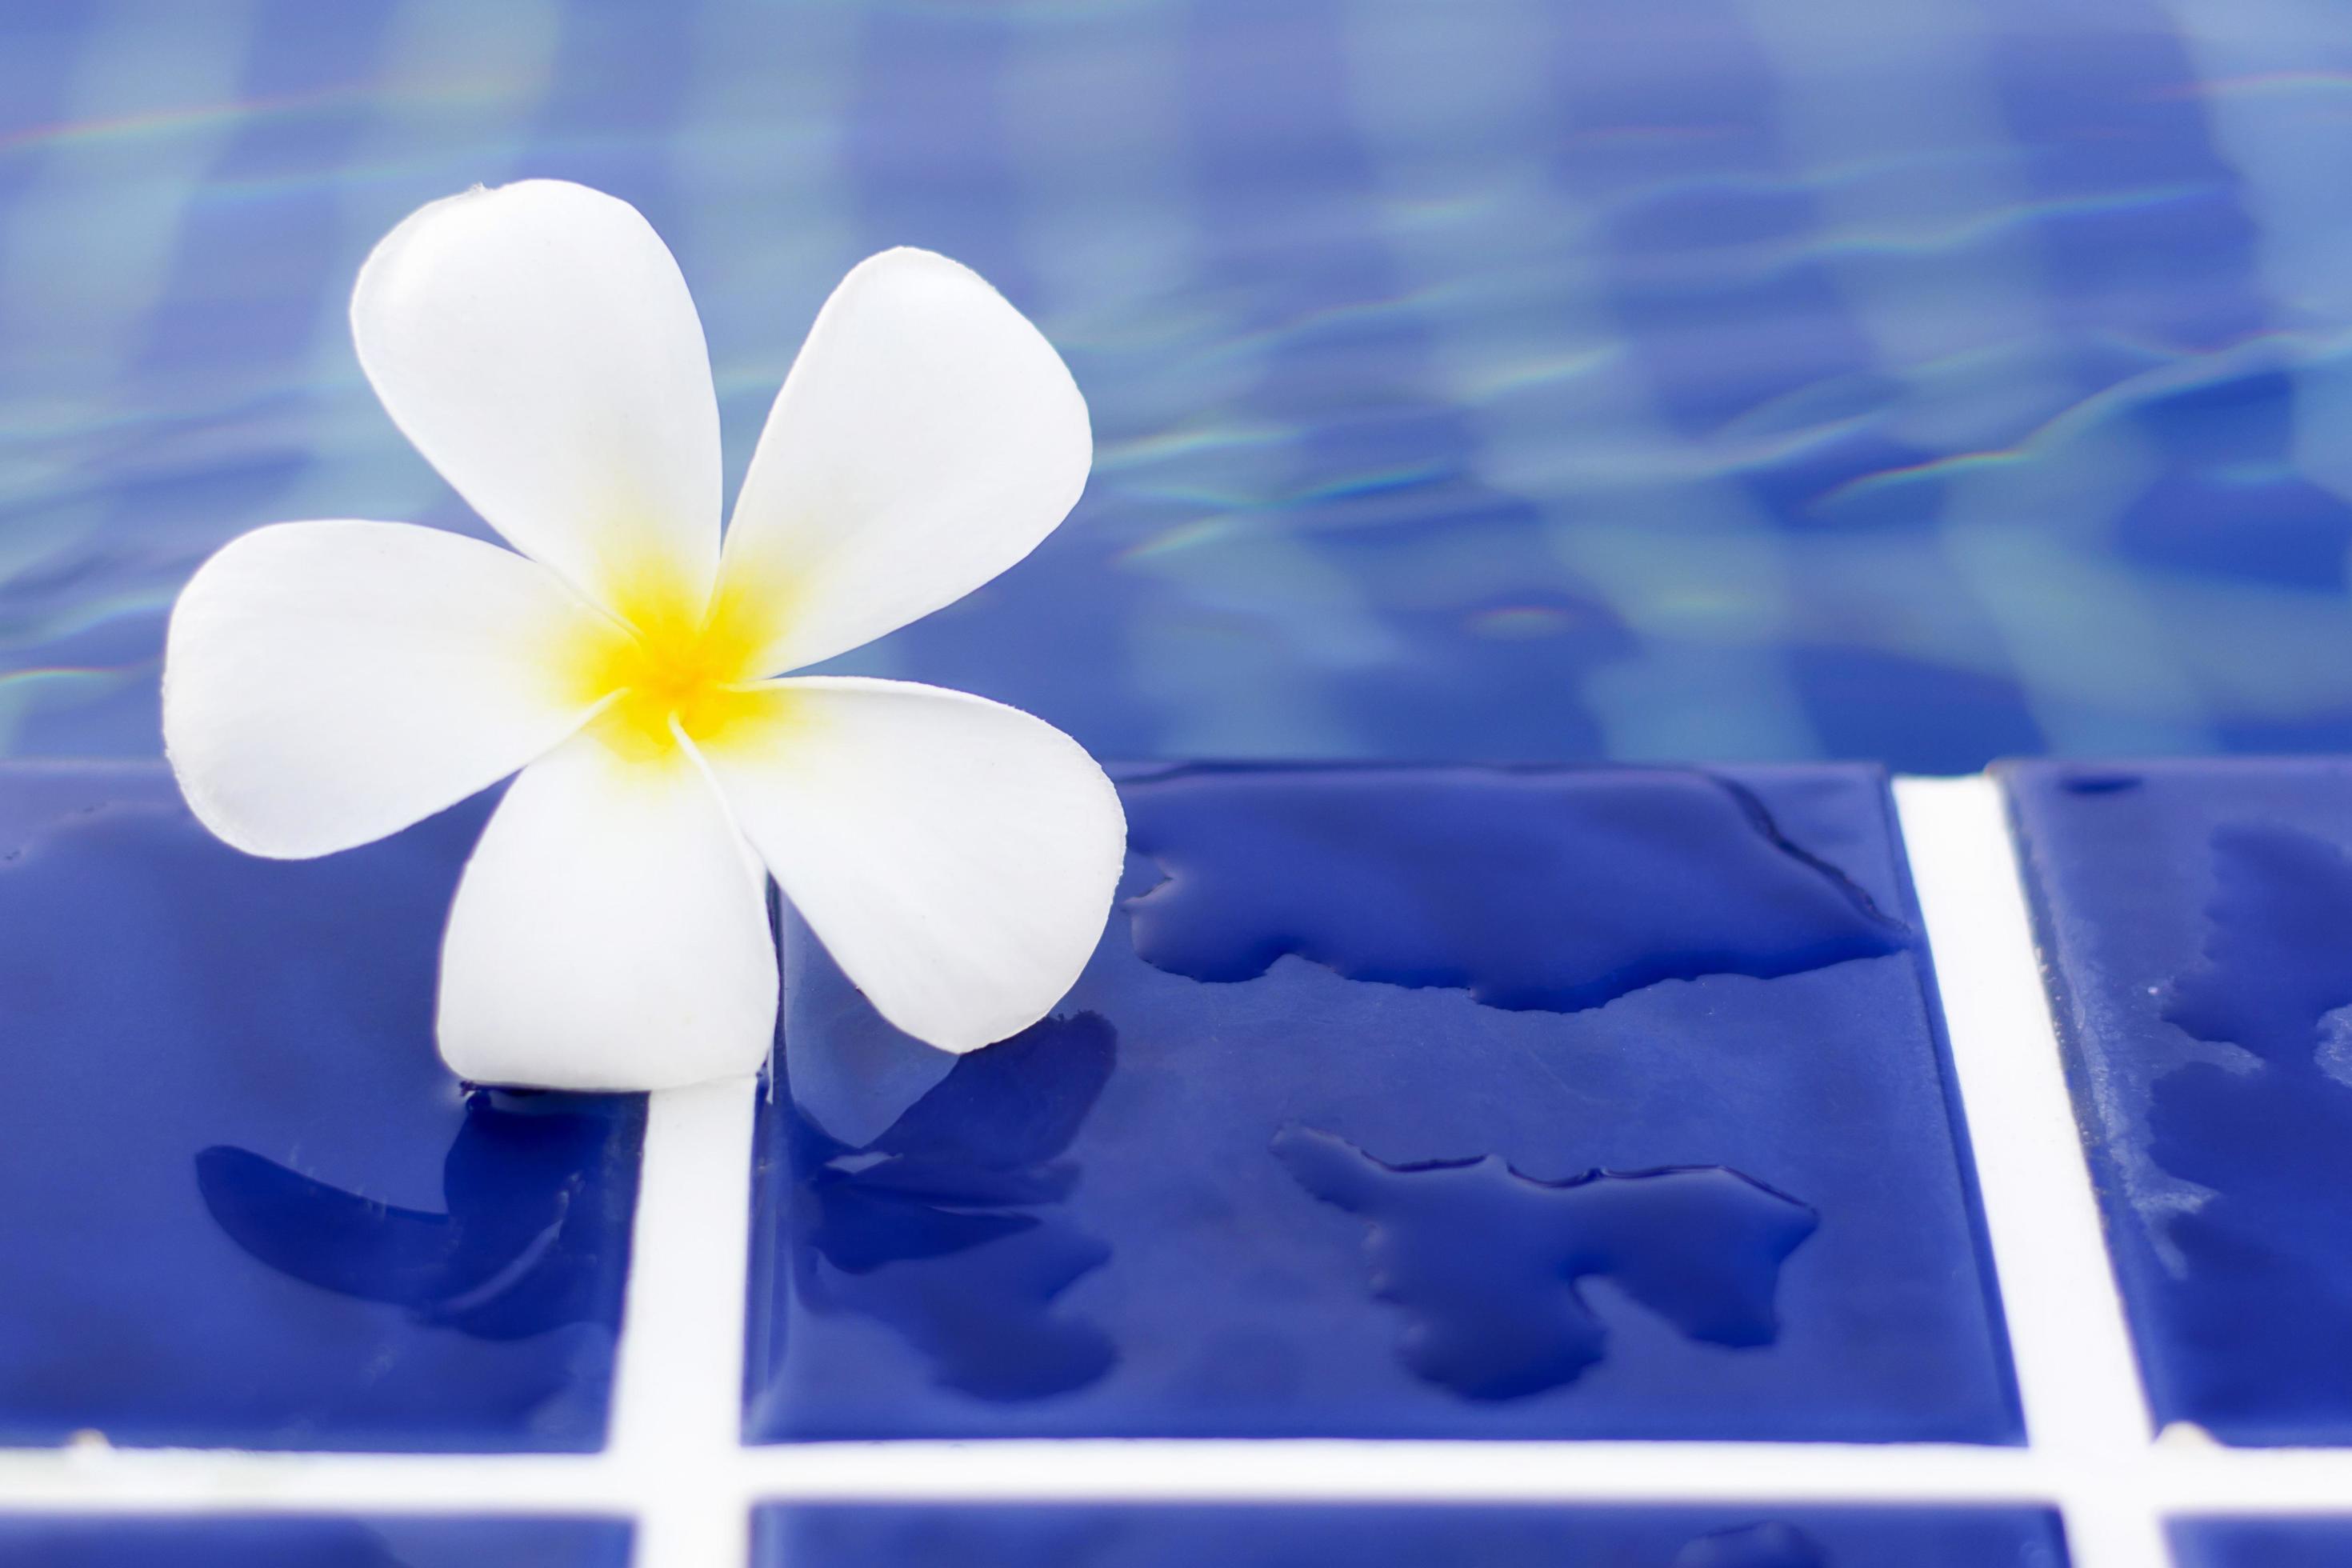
(666, 667)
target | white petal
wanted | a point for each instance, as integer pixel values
(610, 932)
(927, 439)
(537, 344)
(956, 857)
(327, 683)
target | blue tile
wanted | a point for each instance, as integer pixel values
(2262, 1542)
(247, 1205)
(2191, 917)
(288, 1542)
(1445, 1102)
(1181, 1536)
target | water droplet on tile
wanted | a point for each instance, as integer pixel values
(2099, 783)
(2265, 1135)
(1484, 1261)
(1563, 891)
(2275, 961)
(1756, 1546)
(2334, 1056)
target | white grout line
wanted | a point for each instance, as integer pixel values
(676, 1463)
(1259, 1470)
(2247, 1481)
(726, 1484)
(99, 1480)
(1423, 1472)
(2083, 1411)
(678, 1398)
(673, 1463)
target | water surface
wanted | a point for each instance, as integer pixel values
(1912, 380)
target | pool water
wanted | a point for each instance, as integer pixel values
(1912, 380)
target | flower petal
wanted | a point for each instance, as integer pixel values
(327, 683)
(537, 344)
(956, 857)
(927, 439)
(610, 932)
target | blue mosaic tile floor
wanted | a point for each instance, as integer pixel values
(1917, 383)
(2263, 1543)
(1480, 379)
(314, 1543)
(1422, 1102)
(247, 1204)
(983, 1536)
(2195, 916)
(1398, 1102)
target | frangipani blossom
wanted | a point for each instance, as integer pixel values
(328, 683)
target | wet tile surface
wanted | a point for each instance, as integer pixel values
(285, 1542)
(247, 1206)
(983, 1536)
(2262, 1542)
(1416, 1102)
(2193, 921)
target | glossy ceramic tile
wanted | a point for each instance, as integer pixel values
(2262, 1542)
(982, 1536)
(2193, 916)
(1435, 1102)
(286, 1543)
(247, 1206)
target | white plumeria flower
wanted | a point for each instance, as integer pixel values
(328, 683)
